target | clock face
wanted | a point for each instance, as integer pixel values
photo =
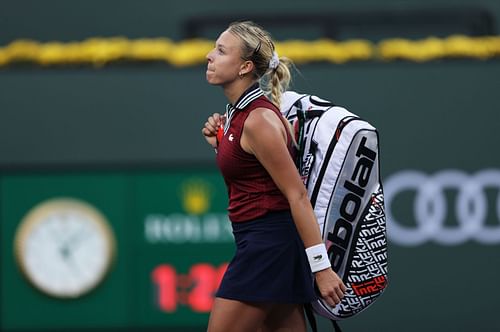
(64, 247)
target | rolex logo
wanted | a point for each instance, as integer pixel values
(196, 196)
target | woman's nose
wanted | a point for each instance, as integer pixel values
(209, 56)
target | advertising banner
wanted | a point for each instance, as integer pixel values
(171, 241)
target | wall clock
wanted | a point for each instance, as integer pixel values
(65, 247)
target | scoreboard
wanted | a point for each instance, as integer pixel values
(172, 244)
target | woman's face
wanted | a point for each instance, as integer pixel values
(224, 61)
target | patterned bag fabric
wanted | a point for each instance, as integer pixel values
(338, 160)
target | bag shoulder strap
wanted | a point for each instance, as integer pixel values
(336, 326)
(310, 317)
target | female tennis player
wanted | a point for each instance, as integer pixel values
(279, 250)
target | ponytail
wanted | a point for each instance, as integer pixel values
(277, 80)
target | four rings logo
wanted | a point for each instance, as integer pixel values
(431, 207)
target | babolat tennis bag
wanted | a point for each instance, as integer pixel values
(338, 159)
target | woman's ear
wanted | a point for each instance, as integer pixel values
(246, 67)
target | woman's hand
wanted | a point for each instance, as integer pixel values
(214, 122)
(330, 286)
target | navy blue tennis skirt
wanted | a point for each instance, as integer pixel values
(270, 264)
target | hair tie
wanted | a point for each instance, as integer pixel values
(275, 61)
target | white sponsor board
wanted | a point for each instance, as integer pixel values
(180, 228)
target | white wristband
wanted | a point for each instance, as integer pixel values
(318, 258)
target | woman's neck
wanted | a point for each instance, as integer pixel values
(234, 91)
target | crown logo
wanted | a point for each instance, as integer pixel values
(196, 196)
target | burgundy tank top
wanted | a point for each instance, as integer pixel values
(251, 190)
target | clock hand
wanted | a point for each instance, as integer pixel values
(71, 245)
(71, 242)
(65, 252)
(73, 265)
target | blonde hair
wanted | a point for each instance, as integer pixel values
(258, 47)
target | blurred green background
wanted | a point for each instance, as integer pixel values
(125, 137)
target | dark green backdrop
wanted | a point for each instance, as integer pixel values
(126, 138)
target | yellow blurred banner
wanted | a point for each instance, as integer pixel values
(101, 51)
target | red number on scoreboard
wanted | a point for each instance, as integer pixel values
(203, 281)
(206, 280)
(165, 279)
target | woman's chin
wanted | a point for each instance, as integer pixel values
(208, 76)
(210, 79)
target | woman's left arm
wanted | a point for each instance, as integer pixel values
(264, 135)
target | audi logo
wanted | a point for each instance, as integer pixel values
(432, 207)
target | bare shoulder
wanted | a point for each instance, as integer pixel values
(263, 118)
(262, 129)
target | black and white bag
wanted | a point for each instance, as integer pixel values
(338, 160)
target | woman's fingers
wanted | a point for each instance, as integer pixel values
(212, 125)
(331, 287)
(333, 297)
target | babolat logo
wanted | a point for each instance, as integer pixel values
(354, 179)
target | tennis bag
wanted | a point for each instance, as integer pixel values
(338, 160)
